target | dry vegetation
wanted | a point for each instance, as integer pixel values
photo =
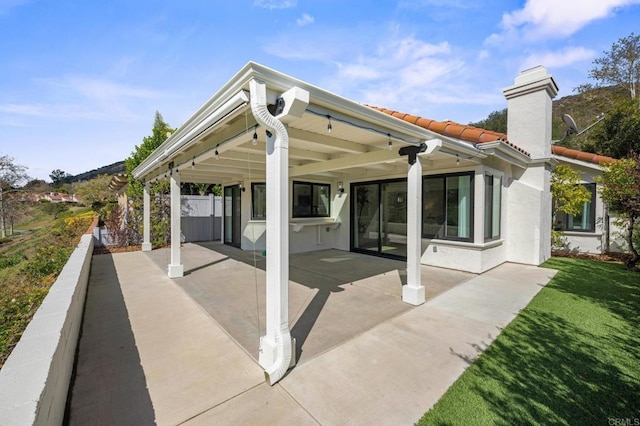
(30, 261)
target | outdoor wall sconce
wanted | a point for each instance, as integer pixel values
(340, 187)
(241, 186)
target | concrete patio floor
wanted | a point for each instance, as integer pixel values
(156, 350)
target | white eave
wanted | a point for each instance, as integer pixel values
(576, 162)
(225, 123)
(505, 152)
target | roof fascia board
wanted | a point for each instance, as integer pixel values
(580, 163)
(505, 152)
(219, 98)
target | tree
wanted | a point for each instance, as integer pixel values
(59, 177)
(11, 175)
(619, 133)
(621, 65)
(160, 205)
(621, 192)
(159, 134)
(95, 192)
(568, 197)
(37, 185)
(496, 121)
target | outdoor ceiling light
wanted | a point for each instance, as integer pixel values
(390, 144)
(457, 160)
(193, 163)
(329, 127)
(254, 140)
(216, 154)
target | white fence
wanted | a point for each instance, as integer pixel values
(201, 217)
(201, 220)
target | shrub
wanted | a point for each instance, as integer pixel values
(7, 261)
(47, 261)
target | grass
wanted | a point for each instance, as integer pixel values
(572, 356)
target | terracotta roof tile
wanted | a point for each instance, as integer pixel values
(581, 155)
(478, 136)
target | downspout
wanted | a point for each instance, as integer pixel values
(282, 335)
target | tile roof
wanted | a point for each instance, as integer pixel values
(581, 155)
(477, 135)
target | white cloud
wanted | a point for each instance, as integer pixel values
(541, 19)
(275, 4)
(305, 19)
(560, 58)
(392, 68)
(85, 98)
(483, 54)
(406, 73)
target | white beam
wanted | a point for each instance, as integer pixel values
(347, 162)
(414, 292)
(277, 351)
(146, 218)
(175, 268)
(329, 141)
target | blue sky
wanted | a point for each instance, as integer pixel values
(80, 81)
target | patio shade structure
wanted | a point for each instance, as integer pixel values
(304, 132)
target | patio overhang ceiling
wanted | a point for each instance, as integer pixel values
(216, 145)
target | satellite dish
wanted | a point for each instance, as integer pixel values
(572, 128)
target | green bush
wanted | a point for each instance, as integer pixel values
(7, 261)
(46, 261)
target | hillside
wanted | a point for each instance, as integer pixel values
(111, 169)
(584, 108)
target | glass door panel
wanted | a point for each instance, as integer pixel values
(394, 219)
(366, 217)
(232, 208)
(379, 218)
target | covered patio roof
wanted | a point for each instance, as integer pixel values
(334, 137)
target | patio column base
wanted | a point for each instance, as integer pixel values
(268, 352)
(413, 295)
(175, 271)
(146, 246)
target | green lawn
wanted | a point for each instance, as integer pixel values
(572, 356)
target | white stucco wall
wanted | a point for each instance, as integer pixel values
(305, 234)
(528, 217)
(476, 258)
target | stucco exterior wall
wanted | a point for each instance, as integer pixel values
(528, 217)
(476, 258)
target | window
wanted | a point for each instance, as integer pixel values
(584, 221)
(311, 199)
(492, 196)
(258, 201)
(448, 207)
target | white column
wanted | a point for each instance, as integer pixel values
(175, 268)
(413, 291)
(146, 218)
(277, 306)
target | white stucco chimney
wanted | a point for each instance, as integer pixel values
(528, 195)
(529, 111)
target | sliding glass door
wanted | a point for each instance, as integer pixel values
(232, 208)
(379, 218)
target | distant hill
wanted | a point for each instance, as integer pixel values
(111, 169)
(584, 108)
